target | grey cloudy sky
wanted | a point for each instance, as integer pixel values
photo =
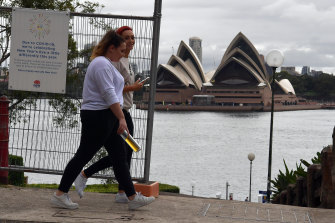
(302, 29)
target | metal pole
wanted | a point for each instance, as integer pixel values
(268, 191)
(153, 78)
(250, 182)
(227, 185)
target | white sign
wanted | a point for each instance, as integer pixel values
(38, 55)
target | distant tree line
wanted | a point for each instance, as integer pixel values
(319, 88)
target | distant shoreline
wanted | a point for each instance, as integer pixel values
(235, 108)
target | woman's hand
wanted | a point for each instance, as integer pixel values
(137, 85)
(116, 109)
(134, 87)
(122, 126)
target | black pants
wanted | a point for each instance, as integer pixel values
(99, 129)
(106, 161)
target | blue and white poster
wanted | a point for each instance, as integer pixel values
(38, 56)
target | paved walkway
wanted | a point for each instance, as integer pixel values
(32, 205)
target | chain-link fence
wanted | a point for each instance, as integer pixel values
(44, 129)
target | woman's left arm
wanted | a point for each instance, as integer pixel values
(117, 111)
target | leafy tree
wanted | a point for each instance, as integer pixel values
(22, 99)
(321, 87)
(61, 5)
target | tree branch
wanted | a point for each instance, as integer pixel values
(11, 107)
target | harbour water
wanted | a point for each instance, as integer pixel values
(208, 149)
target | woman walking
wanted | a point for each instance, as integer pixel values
(102, 120)
(124, 68)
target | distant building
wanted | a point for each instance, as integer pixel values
(241, 79)
(195, 44)
(316, 73)
(306, 70)
(290, 70)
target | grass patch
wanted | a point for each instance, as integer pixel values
(44, 186)
(168, 188)
(102, 188)
(105, 188)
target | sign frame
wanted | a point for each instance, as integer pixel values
(39, 48)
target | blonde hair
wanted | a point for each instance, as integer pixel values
(110, 38)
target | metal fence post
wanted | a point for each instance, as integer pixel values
(4, 136)
(153, 75)
(227, 185)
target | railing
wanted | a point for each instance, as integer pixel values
(45, 129)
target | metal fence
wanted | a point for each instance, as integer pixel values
(44, 129)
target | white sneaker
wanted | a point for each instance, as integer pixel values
(80, 184)
(139, 201)
(63, 201)
(121, 198)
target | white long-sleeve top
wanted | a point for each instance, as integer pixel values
(103, 85)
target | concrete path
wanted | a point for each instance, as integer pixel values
(32, 205)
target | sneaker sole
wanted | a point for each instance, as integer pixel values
(57, 203)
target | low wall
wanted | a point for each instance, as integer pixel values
(293, 107)
(229, 108)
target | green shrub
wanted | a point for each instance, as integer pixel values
(282, 181)
(168, 188)
(300, 171)
(14, 177)
(315, 160)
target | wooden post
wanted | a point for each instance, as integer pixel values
(299, 192)
(290, 194)
(313, 172)
(327, 192)
(283, 197)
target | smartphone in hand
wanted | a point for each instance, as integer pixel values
(144, 80)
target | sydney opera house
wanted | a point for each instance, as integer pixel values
(241, 80)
